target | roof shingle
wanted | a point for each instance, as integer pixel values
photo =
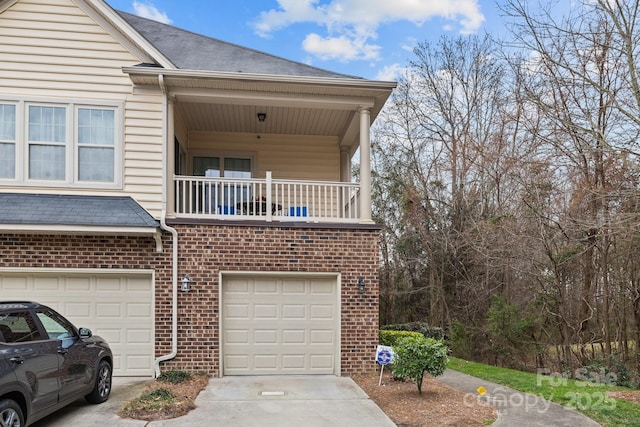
(47, 209)
(191, 51)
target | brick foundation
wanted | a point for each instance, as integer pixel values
(204, 251)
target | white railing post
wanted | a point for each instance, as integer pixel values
(269, 201)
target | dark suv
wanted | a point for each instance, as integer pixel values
(46, 363)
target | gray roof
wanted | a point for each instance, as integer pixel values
(48, 209)
(191, 51)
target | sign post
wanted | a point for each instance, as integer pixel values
(384, 356)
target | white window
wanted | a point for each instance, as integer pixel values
(229, 167)
(54, 144)
(7, 141)
(228, 194)
(96, 143)
(47, 140)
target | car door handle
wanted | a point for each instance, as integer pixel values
(17, 359)
(63, 351)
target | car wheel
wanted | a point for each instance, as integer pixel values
(102, 387)
(10, 414)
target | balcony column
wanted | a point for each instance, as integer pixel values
(365, 165)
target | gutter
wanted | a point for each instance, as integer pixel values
(267, 78)
(174, 234)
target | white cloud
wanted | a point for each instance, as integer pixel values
(148, 10)
(350, 24)
(410, 44)
(391, 72)
(341, 48)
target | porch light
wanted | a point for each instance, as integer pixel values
(361, 287)
(262, 117)
(186, 283)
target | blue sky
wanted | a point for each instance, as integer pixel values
(366, 38)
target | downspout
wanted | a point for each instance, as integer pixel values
(173, 231)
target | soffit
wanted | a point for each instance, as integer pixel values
(229, 102)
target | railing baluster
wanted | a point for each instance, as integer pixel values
(254, 199)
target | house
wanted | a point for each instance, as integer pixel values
(188, 199)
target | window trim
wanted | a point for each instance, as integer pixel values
(71, 179)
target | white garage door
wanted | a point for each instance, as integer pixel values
(280, 325)
(117, 307)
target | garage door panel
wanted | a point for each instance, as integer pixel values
(117, 307)
(265, 311)
(77, 309)
(237, 311)
(322, 288)
(237, 287)
(294, 336)
(139, 310)
(265, 287)
(321, 311)
(294, 312)
(265, 361)
(237, 336)
(236, 362)
(293, 288)
(10, 283)
(320, 362)
(112, 336)
(323, 336)
(105, 310)
(290, 326)
(265, 336)
(294, 361)
(41, 284)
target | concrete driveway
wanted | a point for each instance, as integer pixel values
(283, 401)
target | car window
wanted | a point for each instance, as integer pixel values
(56, 326)
(18, 327)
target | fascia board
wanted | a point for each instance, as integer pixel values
(267, 78)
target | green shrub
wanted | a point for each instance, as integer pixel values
(391, 338)
(428, 331)
(417, 355)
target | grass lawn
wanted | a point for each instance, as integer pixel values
(587, 397)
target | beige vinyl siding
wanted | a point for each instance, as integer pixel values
(36, 31)
(52, 51)
(312, 158)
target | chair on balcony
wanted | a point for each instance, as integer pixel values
(297, 211)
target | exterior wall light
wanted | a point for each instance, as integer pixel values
(361, 286)
(186, 283)
(262, 117)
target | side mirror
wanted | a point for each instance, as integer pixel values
(85, 333)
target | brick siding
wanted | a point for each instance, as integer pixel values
(204, 251)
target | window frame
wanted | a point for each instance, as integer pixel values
(222, 155)
(14, 141)
(71, 145)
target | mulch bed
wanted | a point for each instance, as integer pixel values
(438, 405)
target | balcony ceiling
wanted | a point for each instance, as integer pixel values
(230, 102)
(279, 120)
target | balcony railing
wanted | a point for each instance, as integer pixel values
(266, 199)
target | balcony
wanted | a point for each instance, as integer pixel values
(267, 200)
